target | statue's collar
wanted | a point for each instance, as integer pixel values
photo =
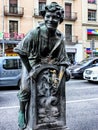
(44, 33)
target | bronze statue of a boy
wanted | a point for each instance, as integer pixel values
(44, 44)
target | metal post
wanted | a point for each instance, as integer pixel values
(92, 46)
(3, 53)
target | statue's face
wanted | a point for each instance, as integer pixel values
(52, 20)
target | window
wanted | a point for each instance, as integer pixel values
(90, 37)
(13, 28)
(13, 6)
(91, 15)
(12, 64)
(42, 4)
(92, 1)
(67, 10)
(68, 32)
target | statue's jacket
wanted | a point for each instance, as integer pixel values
(37, 45)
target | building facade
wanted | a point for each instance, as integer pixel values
(80, 25)
(90, 27)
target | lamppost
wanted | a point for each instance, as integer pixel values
(3, 53)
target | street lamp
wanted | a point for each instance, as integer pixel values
(3, 53)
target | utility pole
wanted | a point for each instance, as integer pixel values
(3, 52)
(92, 46)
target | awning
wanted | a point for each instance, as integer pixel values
(9, 42)
(92, 31)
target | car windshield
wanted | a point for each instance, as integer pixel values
(85, 61)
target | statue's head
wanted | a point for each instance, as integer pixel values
(53, 14)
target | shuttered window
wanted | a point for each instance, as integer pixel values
(42, 4)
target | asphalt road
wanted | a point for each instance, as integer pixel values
(81, 106)
(8, 109)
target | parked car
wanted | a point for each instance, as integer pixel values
(10, 71)
(91, 74)
(78, 69)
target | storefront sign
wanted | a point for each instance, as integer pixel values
(11, 54)
(73, 50)
(14, 36)
(18, 36)
(92, 31)
(88, 50)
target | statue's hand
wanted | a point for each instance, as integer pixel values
(32, 72)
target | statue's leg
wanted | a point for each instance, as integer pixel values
(21, 116)
(23, 100)
(23, 96)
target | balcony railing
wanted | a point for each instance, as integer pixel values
(70, 16)
(13, 11)
(71, 40)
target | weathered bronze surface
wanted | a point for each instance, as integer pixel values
(42, 92)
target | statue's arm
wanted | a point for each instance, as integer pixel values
(24, 49)
(26, 63)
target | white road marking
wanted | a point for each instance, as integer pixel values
(8, 93)
(88, 87)
(78, 88)
(83, 100)
(68, 102)
(10, 107)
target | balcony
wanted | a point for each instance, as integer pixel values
(13, 11)
(71, 40)
(70, 16)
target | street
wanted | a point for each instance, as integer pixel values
(81, 106)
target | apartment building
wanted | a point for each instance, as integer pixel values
(79, 26)
(90, 27)
(16, 19)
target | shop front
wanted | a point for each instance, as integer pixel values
(8, 42)
(95, 52)
(90, 52)
(71, 54)
(8, 47)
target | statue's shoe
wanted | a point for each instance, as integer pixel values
(21, 120)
